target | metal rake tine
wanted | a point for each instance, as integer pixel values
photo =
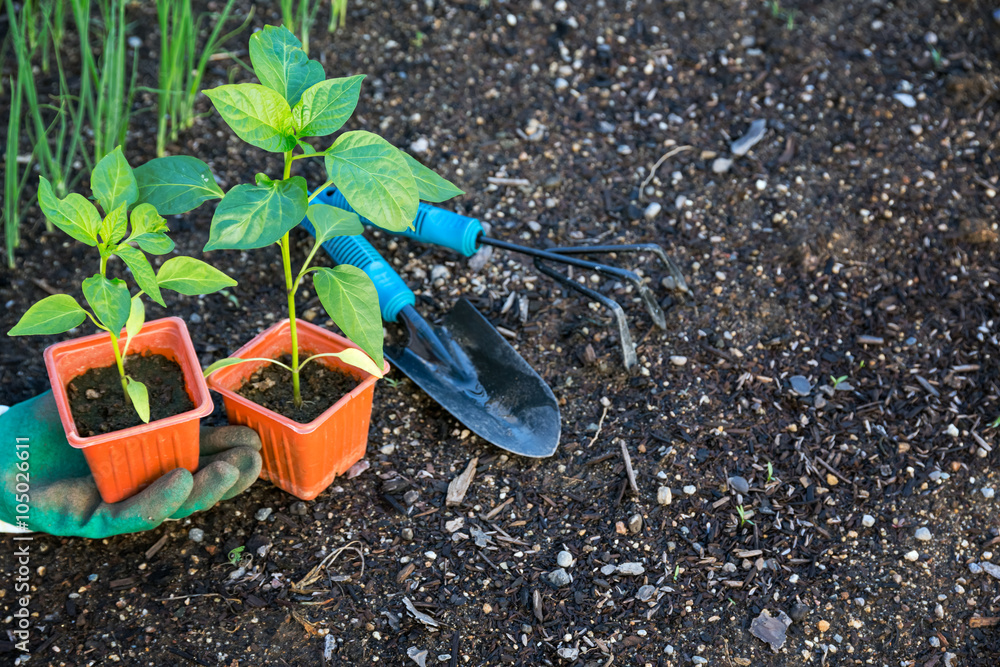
(628, 346)
(648, 298)
(655, 248)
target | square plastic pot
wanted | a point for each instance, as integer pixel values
(125, 462)
(302, 459)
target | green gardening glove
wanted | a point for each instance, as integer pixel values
(63, 498)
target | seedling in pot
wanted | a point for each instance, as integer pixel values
(294, 102)
(130, 228)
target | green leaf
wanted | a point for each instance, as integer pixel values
(74, 215)
(374, 178)
(330, 221)
(113, 182)
(110, 301)
(432, 188)
(176, 184)
(349, 297)
(143, 273)
(52, 315)
(140, 398)
(325, 107)
(281, 64)
(223, 363)
(353, 357)
(136, 317)
(114, 225)
(149, 230)
(257, 114)
(190, 276)
(253, 216)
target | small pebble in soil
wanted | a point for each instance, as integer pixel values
(823, 626)
(630, 569)
(923, 534)
(568, 653)
(952, 430)
(645, 592)
(799, 612)
(753, 135)
(298, 509)
(911, 556)
(196, 534)
(420, 145)
(690, 490)
(387, 449)
(652, 210)
(678, 360)
(868, 521)
(987, 492)
(934, 641)
(635, 523)
(664, 495)
(739, 484)
(564, 559)
(561, 84)
(906, 100)
(800, 385)
(721, 165)
(560, 578)
(407, 534)
(698, 660)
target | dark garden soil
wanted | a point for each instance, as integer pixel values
(320, 387)
(855, 246)
(97, 401)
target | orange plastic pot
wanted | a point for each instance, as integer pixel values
(125, 462)
(302, 459)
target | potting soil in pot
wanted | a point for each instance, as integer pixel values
(98, 403)
(320, 386)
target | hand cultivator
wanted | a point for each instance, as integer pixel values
(466, 236)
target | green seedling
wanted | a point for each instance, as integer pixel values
(294, 101)
(338, 15)
(130, 228)
(770, 472)
(236, 556)
(743, 515)
(677, 572)
(996, 423)
(936, 58)
(418, 40)
(393, 383)
(836, 381)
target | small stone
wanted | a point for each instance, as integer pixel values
(645, 592)
(952, 430)
(800, 385)
(721, 165)
(387, 449)
(440, 272)
(823, 626)
(769, 629)
(831, 479)
(990, 569)
(911, 556)
(534, 226)
(939, 610)
(916, 129)
(263, 513)
(950, 658)
(411, 496)
(417, 656)
(196, 534)
(454, 525)
(298, 509)
(868, 521)
(608, 570)
(664, 495)
(511, 20)
(753, 135)
(698, 660)
(987, 492)
(560, 578)
(407, 534)
(799, 612)
(906, 100)
(561, 84)
(135, 42)
(624, 150)
(690, 490)
(92, 394)
(357, 469)
(604, 127)
(567, 653)
(652, 210)
(635, 523)
(630, 569)
(564, 559)
(678, 360)
(975, 568)
(934, 641)
(420, 145)
(739, 484)
(923, 534)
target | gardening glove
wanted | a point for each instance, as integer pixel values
(63, 497)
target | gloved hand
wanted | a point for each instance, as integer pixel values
(63, 496)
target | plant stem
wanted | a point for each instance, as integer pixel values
(290, 285)
(121, 367)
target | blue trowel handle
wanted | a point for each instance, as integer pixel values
(432, 224)
(393, 294)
